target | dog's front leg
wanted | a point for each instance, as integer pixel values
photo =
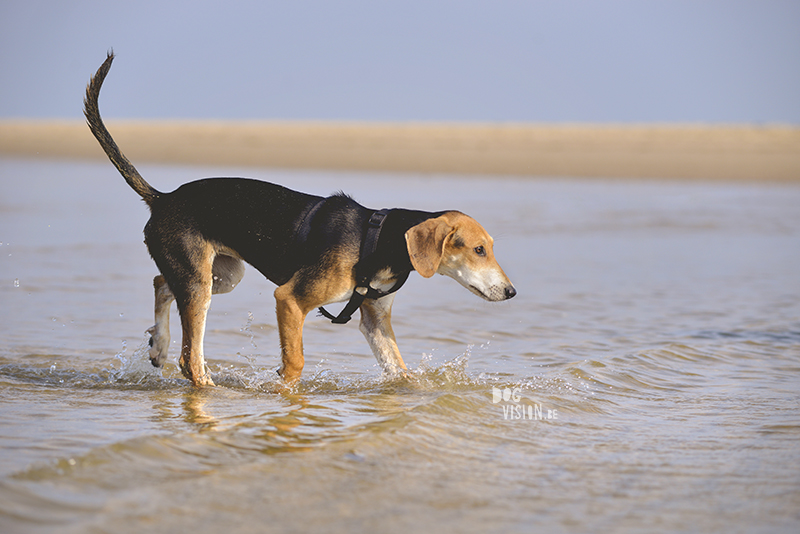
(376, 326)
(290, 327)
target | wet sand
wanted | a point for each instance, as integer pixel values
(753, 153)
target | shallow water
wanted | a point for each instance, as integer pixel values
(646, 377)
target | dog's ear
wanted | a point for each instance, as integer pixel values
(425, 243)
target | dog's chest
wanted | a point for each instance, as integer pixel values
(383, 280)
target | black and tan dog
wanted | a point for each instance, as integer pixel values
(317, 250)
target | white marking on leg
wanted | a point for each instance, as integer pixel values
(159, 340)
(377, 328)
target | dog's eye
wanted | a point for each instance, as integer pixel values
(480, 251)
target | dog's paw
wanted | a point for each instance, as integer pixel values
(159, 346)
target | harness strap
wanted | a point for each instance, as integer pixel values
(363, 290)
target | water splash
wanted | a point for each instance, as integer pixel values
(136, 369)
(248, 329)
(250, 359)
(451, 374)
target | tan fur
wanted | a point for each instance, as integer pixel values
(447, 245)
(335, 286)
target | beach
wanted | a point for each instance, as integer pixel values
(769, 153)
(646, 376)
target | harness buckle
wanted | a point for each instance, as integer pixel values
(376, 220)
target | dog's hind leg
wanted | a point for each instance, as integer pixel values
(193, 309)
(376, 326)
(227, 272)
(186, 263)
(159, 333)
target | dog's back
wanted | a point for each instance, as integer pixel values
(267, 225)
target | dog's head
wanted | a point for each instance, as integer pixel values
(455, 245)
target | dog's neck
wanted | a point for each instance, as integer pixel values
(384, 264)
(392, 250)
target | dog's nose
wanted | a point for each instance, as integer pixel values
(510, 292)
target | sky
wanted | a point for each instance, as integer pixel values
(586, 61)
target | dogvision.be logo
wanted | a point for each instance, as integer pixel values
(513, 408)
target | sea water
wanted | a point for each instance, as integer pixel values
(645, 378)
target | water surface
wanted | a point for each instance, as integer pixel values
(650, 365)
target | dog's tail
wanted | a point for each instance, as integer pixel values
(92, 112)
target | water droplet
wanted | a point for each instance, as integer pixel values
(16, 282)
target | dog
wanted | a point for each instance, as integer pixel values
(317, 250)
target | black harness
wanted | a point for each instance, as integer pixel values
(363, 290)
